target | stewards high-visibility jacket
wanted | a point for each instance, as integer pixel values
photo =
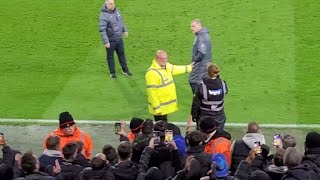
(78, 135)
(161, 89)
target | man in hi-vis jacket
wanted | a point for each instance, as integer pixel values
(161, 89)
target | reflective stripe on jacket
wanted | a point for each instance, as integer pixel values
(78, 135)
(161, 89)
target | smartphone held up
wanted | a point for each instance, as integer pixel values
(257, 147)
(117, 128)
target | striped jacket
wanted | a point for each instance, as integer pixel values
(161, 89)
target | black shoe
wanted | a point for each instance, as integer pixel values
(128, 74)
(113, 76)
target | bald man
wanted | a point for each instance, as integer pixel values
(161, 89)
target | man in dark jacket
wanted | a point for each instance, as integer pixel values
(110, 152)
(125, 169)
(112, 27)
(98, 170)
(6, 163)
(312, 153)
(52, 153)
(69, 168)
(201, 53)
(241, 148)
(296, 171)
(30, 169)
(196, 149)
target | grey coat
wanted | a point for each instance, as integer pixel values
(201, 55)
(111, 25)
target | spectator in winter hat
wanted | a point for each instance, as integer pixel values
(69, 132)
(312, 151)
(217, 140)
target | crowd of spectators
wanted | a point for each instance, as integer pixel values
(145, 153)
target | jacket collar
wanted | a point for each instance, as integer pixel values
(52, 153)
(155, 65)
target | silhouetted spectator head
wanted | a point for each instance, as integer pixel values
(98, 161)
(312, 140)
(288, 140)
(154, 174)
(175, 129)
(291, 157)
(253, 127)
(259, 175)
(70, 150)
(195, 138)
(136, 124)
(160, 126)
(125, 151)
(207, 124)
(53, 143)
(147, 127)
(29, 163)
(66, 123)
(80, 146)
(110, 152)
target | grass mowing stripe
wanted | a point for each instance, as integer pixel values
(307, 33)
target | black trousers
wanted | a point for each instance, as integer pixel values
(117, 46)
(161, 117)
(194, 87)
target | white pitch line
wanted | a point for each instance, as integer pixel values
(100, 122)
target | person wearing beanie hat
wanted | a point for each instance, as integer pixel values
(217, 140)
(136, 124)
(312, 151)
(222, 168)
(69, 132)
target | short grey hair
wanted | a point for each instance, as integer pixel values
(197, 21)
(292, 158)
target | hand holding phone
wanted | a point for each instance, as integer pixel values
(257, 147)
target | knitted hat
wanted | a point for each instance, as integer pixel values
(313, 140)
(222, 168)
(207, 124)
(136, 124)
(65, 120)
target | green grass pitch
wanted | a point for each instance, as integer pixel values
(52, 58)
